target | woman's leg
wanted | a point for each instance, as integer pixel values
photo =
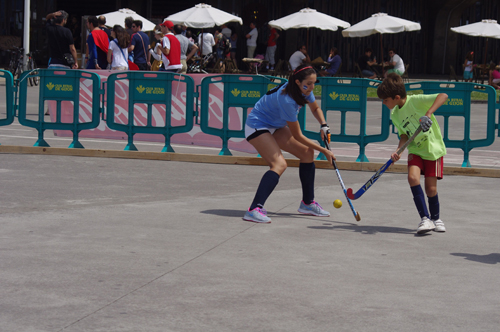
(269, 150)
(307, 170)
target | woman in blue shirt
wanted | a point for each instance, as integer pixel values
(273, 126)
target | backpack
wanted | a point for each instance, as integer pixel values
(224, 44)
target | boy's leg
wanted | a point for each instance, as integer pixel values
(414, 170)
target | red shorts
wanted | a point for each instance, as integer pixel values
(429, 168)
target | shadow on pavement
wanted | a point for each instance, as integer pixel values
(492, 258)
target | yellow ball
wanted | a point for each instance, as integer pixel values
(337, 203)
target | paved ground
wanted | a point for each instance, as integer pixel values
(98, 244)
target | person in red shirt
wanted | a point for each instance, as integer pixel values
(171, 48)
(271, 47)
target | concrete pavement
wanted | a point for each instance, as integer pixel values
(107, 244)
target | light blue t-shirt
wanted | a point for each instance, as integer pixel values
(274, 110)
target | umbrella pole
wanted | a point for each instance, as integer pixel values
(201, 44)
(381, 55)
(485, 50)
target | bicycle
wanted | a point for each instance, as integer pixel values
(33, 79)
(16, 62)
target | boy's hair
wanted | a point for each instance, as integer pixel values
(368, 49)
(391, 87)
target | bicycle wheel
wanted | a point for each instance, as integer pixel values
(19, 69)
(33, 79)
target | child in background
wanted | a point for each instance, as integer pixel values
(468, 66)
(494, 77)
(425, 153)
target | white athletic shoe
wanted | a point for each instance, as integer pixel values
(313, 209)
(257, 215)
(425, 226)
(439, 225)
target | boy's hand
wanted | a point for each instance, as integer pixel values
(425, 123)
(395, 157)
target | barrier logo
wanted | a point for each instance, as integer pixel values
(334, 95)
(454, 102)
(150, 90)
(344, 96)
(235, 92)
(59, 87)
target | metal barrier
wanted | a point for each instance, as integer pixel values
(9, 98)
(155, 90)
(57, 86)
(233, 91)
(348, 95)
(458, 104)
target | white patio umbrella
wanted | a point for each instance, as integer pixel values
(309, 18)
(380, 23)
(119, 16)
(485, 28)
(203, 16)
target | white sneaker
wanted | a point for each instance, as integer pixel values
(439, 225)
(257, 215)
(425, 226)
(313, 209)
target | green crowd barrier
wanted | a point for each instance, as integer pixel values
(459, 105)
(235, 91)
(60, 85)
(151, 88)
(9, 98)
(346, 95)
(225, 99)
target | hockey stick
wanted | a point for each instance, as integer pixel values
(381, 171)
(356, 214)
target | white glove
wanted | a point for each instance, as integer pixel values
(425, 123)
(325, 129)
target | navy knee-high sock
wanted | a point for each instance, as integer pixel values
(419, 199)
(434, 207)
(307, 173)
(267, 184)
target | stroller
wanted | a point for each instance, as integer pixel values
(200, 65)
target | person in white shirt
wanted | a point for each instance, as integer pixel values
(397, 62)
(252, 40)
(208, 43)
(118, 49)
(299, 57)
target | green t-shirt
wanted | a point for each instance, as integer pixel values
(428, 145)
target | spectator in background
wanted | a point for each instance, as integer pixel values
(102, 25)
(155, 52)
(76, 31)
(494, 76)
(206, 43)
(252, 40)
(138, 44)
(128, 25)
(189, 35)
(271, 47)
(468, 66)
(397, 62)
(234, 43)
(299, 57)
(118, 49)
(334, 60)
(186, 45)
(365, 63)
(97, 45)
(171, 48)
(60, 41)
(226, 31)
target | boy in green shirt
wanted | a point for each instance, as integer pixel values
(425, 153)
